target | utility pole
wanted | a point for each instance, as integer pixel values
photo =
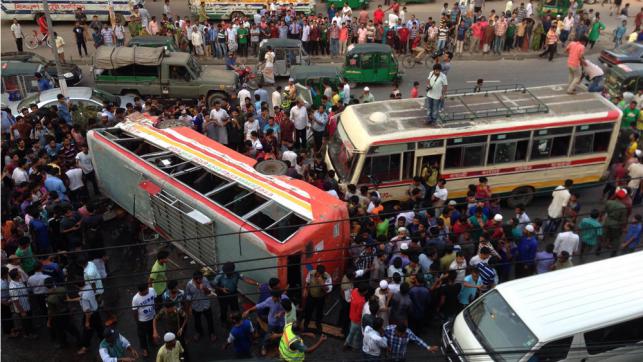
(61, 77)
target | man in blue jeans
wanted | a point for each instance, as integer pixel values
(595, 75)
(436, 90)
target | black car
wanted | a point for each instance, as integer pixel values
(72, 72)
(626, 53)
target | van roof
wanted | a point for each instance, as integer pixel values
(585, 297)
(505, 110)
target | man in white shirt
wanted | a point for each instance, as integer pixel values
(567, 241)
(374, 342)
(529, 9)
(36, 284)
(346, 93)
(144, 312)
(20, 173)
(242, 95)
(91, 317)
(305, 36)
(299, 116)
(436, 85)
(595, 75)
(276, 98)
(219, 119)
(76, 185)
(439, 197)
(16, 31)
(84, 161)
(290, 156)
(92, 276)
(392, 19)
(560, 198)
(568, 23)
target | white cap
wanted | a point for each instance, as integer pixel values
(638, 153)
(497, 217)
(383, 284)
(402, 230)
(169, 337)
(453, 203)
(291, 79)
(287, 88)
(366, 89)
(404, 246)
(359, 273)
(529, 228)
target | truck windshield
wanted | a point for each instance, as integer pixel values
(195, 67)
(341, 153)
(498, 328)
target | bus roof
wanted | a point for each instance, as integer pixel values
(395, 121)
(560, 303)
(220, 160)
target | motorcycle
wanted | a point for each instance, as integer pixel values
(248, 76)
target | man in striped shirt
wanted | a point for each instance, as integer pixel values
(398, 337)
(487, 275)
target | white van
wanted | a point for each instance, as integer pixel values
(591, 312)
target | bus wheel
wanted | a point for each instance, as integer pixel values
(214, 97)
(236, 14)
(522, 195)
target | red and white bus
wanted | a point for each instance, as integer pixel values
(215, 206)
(522, 140)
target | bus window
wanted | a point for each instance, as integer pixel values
(408, 165)
(592, 138)
(246, 204)
(465, 152)
(551, 143)
(510, 147)
(381, 169)
(619, 335)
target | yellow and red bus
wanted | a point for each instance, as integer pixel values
(216, 206)
(520, 139)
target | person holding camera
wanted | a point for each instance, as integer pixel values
(436, 90)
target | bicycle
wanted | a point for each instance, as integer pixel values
(427, 59)
(36, 39)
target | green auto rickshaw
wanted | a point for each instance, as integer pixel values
(371, 63)
(558, 7)
(354, 4)
(311, 79)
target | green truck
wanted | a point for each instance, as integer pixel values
(158, 72)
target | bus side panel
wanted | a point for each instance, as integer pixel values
(119, 180)
(233, 244)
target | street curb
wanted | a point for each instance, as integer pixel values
(517, 55)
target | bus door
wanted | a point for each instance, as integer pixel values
(428, 153)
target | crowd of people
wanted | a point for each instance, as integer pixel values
(458, 28)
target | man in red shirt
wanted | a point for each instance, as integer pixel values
(403, 35)
(378, 15)
(638, 20)
(42, 23)
(576, 52)
(358, 299)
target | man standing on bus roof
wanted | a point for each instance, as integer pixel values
(436, 90)
(226, 284)
(560, 198)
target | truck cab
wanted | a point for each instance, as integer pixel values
(159, 72)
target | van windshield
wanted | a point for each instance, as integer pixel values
(341, 153)
(498, 328)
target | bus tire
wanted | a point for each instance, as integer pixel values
(521, 196)
(236, 14)
(214, 97)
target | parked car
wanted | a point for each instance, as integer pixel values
(156, 72)
(87, 102)
(624, 78)
(19, 80)
(72, 73)
(626, 53)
